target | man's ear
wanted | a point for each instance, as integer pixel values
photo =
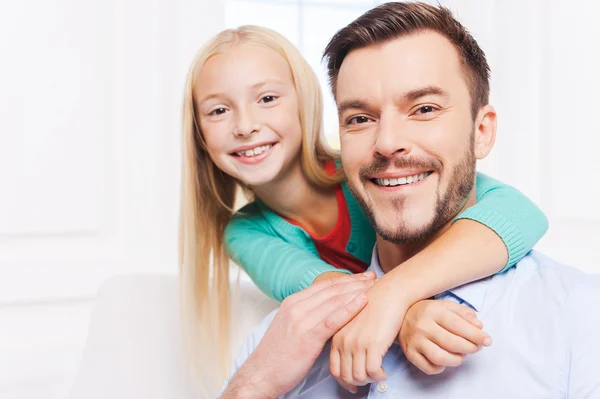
(485, 131)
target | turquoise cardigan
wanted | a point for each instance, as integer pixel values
(282, 259)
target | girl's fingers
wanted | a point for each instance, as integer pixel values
(423, 364)
(453, 343)
(346, 369)
(465, 312)
(439, 356)
(458, 326)
(375, 371)
(359, 369)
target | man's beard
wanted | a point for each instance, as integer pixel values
(448, 204)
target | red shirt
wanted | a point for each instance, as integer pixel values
(332, 247)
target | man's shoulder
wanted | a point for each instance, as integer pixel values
(549, 277)
(538, 263)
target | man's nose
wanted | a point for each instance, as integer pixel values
(392, 138)
(245, 124)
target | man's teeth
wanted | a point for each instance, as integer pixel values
(401, 180)
(255, 151)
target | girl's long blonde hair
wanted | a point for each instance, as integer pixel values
(208, 196)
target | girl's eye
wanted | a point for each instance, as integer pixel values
(425, 109)
(356, 120)
(267, 99)
(218, 111)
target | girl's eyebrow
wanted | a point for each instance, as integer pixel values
(255, 86)
(210, 97)
(267, 81)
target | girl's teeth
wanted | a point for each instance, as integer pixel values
(255, 151)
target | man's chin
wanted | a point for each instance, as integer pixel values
(404, 232)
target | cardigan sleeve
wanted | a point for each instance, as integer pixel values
(277, 266)
(514, 217)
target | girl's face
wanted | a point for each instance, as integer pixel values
(247, 107)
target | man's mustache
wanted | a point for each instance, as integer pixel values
(381, 164)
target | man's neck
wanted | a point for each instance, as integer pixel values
(392, 255)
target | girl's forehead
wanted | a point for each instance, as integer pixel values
(241, 66)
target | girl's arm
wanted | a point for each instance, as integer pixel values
(279, 268)
(512, 216)
(487, 238)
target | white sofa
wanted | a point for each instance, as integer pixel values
(134, 347)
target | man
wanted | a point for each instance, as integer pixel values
(412, 86)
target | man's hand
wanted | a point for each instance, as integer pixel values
(296, 337)
(357, 350)
(439, 334)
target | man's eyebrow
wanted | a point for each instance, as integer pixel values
(351, 104)
(414, 95)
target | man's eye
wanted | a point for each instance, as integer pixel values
(425, 109)
(267, 99)
(356, 120)
(218, 111)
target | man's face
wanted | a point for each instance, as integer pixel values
(406, 134)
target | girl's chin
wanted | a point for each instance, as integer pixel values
(258, 181)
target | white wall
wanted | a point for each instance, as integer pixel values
(90, 93)
(90, 104)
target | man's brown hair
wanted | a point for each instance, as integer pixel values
(395, 19)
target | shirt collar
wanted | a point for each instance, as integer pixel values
(472, 294)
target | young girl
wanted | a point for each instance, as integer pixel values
(252, 120)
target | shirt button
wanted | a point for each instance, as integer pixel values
(382, 387)
(351, 247)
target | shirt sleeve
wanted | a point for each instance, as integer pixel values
(277, 267)
(583, 322)
(514, 217)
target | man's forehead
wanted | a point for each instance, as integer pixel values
(417, 60)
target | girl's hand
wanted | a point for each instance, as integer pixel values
(357, 350)
(437, 334)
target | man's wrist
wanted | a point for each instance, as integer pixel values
(248, 383)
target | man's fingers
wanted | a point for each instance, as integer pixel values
(373, 364)
(318, 298)
(339, 315)
(439, 356)
(458, 326)
(453, 343)
(314, 288)
(323, 303)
